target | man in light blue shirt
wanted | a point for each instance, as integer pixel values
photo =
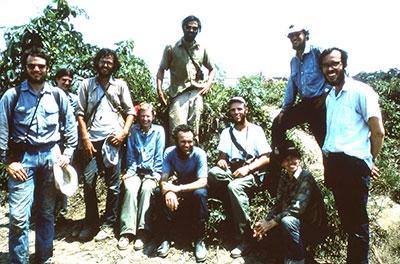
(187, 193)
(30, 116)
(353, 140)
(307, 81)
(145, 150)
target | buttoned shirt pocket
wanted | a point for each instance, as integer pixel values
(23, 115)
(49, 116)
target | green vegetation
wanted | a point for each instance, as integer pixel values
(57, 34)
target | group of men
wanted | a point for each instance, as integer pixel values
(40, 127)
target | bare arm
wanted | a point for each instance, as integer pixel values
(207, 85)
(255, 165)
(160, 92)
(118, 138)
(87, 144)
(222, 161)
(377, 134)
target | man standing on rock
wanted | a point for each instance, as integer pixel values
(307, 80)
(243, 149)
(105, 114)
(353, 140)
(187, 88)
(30, 116)
(188, 192)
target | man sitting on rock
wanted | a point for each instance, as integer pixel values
(188, 192)
(299, 211)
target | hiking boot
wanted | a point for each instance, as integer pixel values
(104, 233)
(163, 249)
(240, 250)
(123, 242)
(86, 234)
(200, 251)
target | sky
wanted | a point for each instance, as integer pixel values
(242, 37)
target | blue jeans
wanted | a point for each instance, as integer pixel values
(292, 240)
(39, 167)
(112, 179)
(196, 203)
(349, 178)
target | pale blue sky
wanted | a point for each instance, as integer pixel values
(243, 37)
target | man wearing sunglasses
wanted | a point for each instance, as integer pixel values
(30, 117)
(306, 80)
(187, 87)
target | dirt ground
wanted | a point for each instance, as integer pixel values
(67, 249)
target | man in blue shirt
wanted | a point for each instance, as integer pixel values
(145, 150)
(30, 133)
(354, 137)
(188, 192)
(305, 79)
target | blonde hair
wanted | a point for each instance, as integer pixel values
(146, 106)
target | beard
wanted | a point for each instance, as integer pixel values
(36, 80)
(189, 37)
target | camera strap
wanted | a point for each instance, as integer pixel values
(242, 151)
(197, 66)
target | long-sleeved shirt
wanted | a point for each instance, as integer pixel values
(145, 150)
(299, 196)
(306, 78)
(45, 127)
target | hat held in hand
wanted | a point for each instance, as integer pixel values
(66, 179)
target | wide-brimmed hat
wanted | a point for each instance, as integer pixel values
(110, 153)
(66, 179)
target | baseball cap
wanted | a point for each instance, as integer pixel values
(66, 179)
(295, 28)
(236, 99)
(288, 148)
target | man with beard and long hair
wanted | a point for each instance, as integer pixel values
(30, 133)
(187, 87)
(354, 137)
(105, 114)
(243, 149)
(187, 193)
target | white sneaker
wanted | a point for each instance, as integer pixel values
(123, 242)
(104, 233)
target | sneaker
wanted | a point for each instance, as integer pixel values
(104, 233)
(240, 250)
(200, 251)
(140, 240)
(163, 249)
(123, 242)
(86, 234)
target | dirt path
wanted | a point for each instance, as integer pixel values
(68, 249)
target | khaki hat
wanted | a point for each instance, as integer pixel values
(237, 99)
(66, 179)
(110, 153)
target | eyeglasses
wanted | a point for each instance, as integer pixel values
(195, 29)
(32, 66)
(106, 62)
(332, 64)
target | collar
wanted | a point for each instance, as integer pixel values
(194, 45)
(137, 128)
(297, 173)
(46, 88)
(112, 81)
